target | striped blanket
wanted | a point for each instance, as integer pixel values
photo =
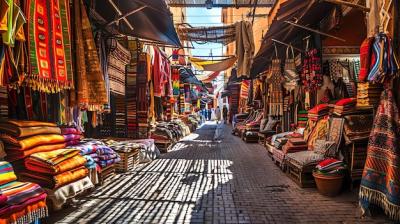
(25, 203)
(7, 174)
(56, 181)
(14, 154)
(55, 162)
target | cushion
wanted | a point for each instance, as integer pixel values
(304, 158)
(263, 123)
(271, 124)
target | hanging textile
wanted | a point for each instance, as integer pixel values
(209, 77)
(49, 45)
(118, 59)
(91, 90)
(380, 180)
(175, 81)
(244, 48)
(244, 89)
(216, 34)
(12, 21)
(213, 65)
(161, 72)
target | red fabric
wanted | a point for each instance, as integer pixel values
(327, 162)
(318, 108)
(365, 58)
(161, 74)
(346, 101)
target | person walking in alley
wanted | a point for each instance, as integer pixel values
(225, 114)
(218, 114)
(209, 114)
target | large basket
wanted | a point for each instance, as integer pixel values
(329, 185)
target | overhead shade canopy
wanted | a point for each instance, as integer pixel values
(187, 76)
(214, 34)
(220, 3)
(213, 65)
(308, 13)
(149, 20)
(208, 77)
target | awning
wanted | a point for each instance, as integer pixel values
(208, 77)
(187, 76)
(214, 34)
(149, 20)
(213, 65)
(307, 13)
(219, 3)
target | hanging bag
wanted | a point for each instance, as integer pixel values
(290, 66)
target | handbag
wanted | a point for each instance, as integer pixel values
(290, 67)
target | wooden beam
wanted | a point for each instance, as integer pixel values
(292, 10)
(349, 4)
(288, 45)
(126, 15)
(315, 31)
(310, 4)
(120, 13)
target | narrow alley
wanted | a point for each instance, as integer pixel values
(203, 180)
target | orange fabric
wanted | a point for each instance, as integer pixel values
(33, 141)
(40, 205)
(13, 155)
(67, 163)
(30, 123)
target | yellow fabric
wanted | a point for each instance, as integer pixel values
(214, 65)
(4, 8)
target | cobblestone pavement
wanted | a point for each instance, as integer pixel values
(211, 177)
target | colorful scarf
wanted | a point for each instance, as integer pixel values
(49, 45)
(91, 91)
(7, 174)
(380, 181)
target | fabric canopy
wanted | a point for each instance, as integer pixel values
(208, 77)
(216, 34)
(150, 20)
(187, 76)
(215, 65)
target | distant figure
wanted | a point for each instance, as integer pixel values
(225, 114)
(218, 114)
(209, 114)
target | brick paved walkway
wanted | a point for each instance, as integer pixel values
(211, 178)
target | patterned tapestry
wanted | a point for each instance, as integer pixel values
(49, 45)
(118, 58)
(380, 183)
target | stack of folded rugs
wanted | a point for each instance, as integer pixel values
(20, 202)
(368, 94)
(71, 135)
(331, 167)
(318, 112)
(302, 118)
(23, 138)
(55, 169)
(295, 144)
(344, 106)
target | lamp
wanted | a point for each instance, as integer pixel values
(209, 4)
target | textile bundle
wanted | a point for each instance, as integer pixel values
(118, 59)
(50, 52)
(318, 112)
(20, 202)
(55, 168)
(331, 167)
(380, 180)
(344, 106)
(368, 94)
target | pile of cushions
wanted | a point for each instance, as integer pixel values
(358, 127)
(318, 112)
(20, 202)
(295, 144)
(368, 94)
(56, 168)
(330, 167)
(344, 106)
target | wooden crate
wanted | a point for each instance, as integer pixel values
(302, 175)
(106, 174)
(129, 160)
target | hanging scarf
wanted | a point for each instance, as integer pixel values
(380, 183)
(91, 86)
(49, 45)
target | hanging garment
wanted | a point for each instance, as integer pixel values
(91, 91)
(12, 22)
(49, 45)
(380, 180)
(244, 48)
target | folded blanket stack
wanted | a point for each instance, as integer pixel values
(318, 112)
(344, 106)
(302, 118)
(107, 156)
(56, 168)
(368, 94)
(72, 135)
(331, 167)
(89, 151)
(20, 202)
(23, 138)
(294, 145)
